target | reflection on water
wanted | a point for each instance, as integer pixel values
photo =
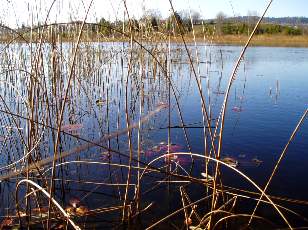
(117, 120)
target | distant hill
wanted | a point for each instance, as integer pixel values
(287, 20)
(281, 20)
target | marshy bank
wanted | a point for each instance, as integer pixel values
(118, 35)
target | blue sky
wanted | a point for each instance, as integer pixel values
(279, 8)
(16, 12)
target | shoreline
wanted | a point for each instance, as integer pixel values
(300, 41)
(257, 41)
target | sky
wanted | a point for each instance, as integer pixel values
(14, 13)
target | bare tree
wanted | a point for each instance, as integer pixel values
(187, 15)
(196, 17)
(151, 19)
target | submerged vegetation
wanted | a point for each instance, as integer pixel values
(90, 129)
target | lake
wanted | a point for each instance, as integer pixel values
(120, 113)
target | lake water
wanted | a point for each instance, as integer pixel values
(267, 99)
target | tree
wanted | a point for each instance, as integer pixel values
(150, 19)
(154, 23)
(186, 20)
(174, 23)
(177, 18)
(105, 27)
(220, 17)
(196, 17)
(289, 30)
(135, 25)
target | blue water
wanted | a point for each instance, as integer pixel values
(271, 88)
(267, 99)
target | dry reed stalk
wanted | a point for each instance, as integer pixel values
(204, 107)
(60, 118)
(48, 196)
(217, 161)
(300, 122)
(83, 147)
(225, 102)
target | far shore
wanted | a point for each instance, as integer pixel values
(239, 40)
(257, 40)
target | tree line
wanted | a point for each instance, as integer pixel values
(182, 22)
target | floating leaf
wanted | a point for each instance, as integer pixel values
(256, 161)
(162, 105)
(230, 161)
(172, 148)
(59, 227)
(82, 210)
(71, 127)
(162, 148)
(70, 210)
(106, 156)
(100, 102)
(171, 157)
(156, 148)
(22, 214)
(37, 212)
(7, 222)
(175, 147)
(237, 109)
